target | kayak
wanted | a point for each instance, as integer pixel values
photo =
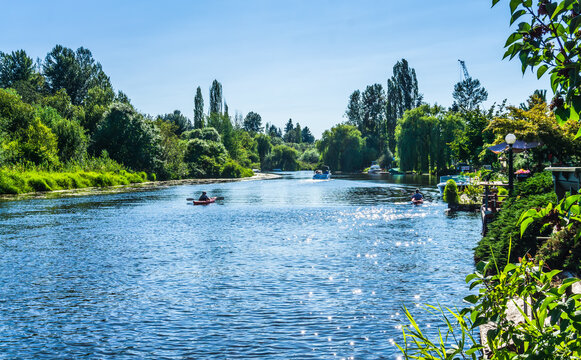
(417, 202)
(205, 202)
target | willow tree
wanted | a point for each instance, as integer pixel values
(342, 148)
(423, 135)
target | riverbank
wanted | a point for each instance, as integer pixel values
(132, 187)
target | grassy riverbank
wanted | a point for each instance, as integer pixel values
(20, 182)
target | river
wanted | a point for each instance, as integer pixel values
(280, 269)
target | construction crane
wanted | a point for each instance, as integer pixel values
(464, 70)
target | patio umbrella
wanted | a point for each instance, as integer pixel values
(518, 146)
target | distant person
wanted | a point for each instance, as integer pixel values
(417, 196)
(203, 197)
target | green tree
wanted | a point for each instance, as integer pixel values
(353, 112)
(198, 109)
(263, 146)
(181, 122)
(307, 136)
(76, 72)
(402, 95)
(216, 98)
(468, 94)
(72, 141)
(128, 138)
(342, 148)
(96, 104)
(373, 116)
(289, 131)
(172, 152)
(252, 122)
(282, 157)
(15, 67)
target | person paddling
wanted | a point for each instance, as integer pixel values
(417, 196)
(203, 197)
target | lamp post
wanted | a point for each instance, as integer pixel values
(510, 140)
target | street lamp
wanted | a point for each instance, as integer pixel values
(510, 140)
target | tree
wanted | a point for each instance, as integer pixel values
(468, 94)
(282, 157)
(252, 122)
(273, 131)
(181, 122)
(373, 115)
(72, 142)
(128, 138)
(216, 98)
(14, 67)
(353, 112)
(171, 153)
(547, 41)
(402, 95)
(263, 146)
(76, 72)
(298, 135)
(342, 148)
(288, 131)
(423, 135)
(198, 109)
(306, 135)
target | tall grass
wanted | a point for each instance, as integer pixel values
(17, 181)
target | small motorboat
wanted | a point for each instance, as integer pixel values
(374, 168)
(205, 202)
(322, 174)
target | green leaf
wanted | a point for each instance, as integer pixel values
(566, 284)
(516, 15)
(513, 5)
(512, 38)
(494, 2)
(542, 70)
(562, 115)
(574, 24)
(578, 134)
(472, 299)
(525, 224)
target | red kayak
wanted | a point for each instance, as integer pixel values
(205, 202)
(417, 201)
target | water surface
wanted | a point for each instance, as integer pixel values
(280, 269)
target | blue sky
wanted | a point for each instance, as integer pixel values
(293, 59)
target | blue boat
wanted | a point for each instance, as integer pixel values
(322, 174)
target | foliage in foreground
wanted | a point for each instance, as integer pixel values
(549, 328)
(532, 193)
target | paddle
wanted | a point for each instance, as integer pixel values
(217, 198)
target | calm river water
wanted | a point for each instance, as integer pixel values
(280, 269)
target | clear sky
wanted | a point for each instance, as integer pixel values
(293, 59)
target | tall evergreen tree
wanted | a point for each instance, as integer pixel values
(402, 95)
(216, 98)
(198, 109)
(353, 112)
(14, 67)
(253, 122)
(373, 117)
(289, 131)
(307, 136)
(468, 94)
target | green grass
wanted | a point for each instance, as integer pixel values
(21, 181)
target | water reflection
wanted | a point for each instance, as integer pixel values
(279, 269)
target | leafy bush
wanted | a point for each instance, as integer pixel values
(233, 170)
(451, 192)
(539, 183)
(550, 329)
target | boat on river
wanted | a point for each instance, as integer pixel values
(205, 202)
(322, 174)
(374, 168)
(461, 181)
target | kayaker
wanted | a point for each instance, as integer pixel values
(417, 196)
(204, 197)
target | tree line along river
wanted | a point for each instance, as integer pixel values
(279, 269)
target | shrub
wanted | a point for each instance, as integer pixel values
(451, 192)
(233, 170)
